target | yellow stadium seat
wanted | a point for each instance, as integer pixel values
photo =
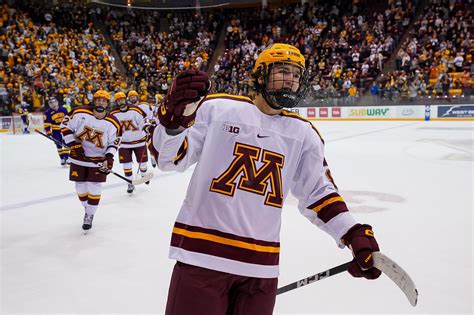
(455, 92)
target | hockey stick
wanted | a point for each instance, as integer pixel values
(319, 276)
(401, 278)
(141, 159)
(138, 181)
(381, 262)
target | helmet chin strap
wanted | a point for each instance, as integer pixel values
(279, 99)
(100, 109)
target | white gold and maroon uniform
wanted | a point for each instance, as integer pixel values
(247, 163)
(131, 121)
(148, 109)
(98, 136)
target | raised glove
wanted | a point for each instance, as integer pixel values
(108, 163)
(360, 239)
(76, 150)
(180, 105)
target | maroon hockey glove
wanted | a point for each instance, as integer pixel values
(76, 151)
(149, 127)
(360, 239)
(180, 105)
(108, 163)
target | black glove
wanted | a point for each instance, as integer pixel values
(180, 105)
(360, 239)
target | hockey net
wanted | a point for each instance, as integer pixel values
(14, 124)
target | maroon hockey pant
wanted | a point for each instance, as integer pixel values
(199, 291)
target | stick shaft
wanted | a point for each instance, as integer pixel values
(319, 276)
(59, 142)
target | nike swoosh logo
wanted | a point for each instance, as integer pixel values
(260, 136)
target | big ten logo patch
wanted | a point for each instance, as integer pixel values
(231, 129)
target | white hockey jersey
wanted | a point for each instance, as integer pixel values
(247, 162)
(98, 136)
(131, 122)
(148, 109)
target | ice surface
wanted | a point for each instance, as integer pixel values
(413, 181)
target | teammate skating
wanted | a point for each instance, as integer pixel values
(132, 120)
(93, 137)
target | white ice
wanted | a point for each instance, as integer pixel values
(413, 181)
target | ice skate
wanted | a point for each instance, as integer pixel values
(130, 188)
(147, 182)
(63, 162)
(87, 222)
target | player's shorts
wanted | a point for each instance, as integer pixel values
(78, 173)
(196, 290)
(141, 154)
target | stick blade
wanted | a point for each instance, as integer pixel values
(396, 273)
(143, 179)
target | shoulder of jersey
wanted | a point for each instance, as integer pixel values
(290, 114)
(111, 118)
(224, 96)
(137, 109)
(115, 111)
(83, 109)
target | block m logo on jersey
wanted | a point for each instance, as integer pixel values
(128, 125)
(91, 135)
(252, 179)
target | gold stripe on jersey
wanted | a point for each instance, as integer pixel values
(82, 110)
(114, 123)
(66, 131)
(229, 96)
(181, 151)
(327, 202)
(138, 110)
(226, 241)
(115, 111)
(143, 139)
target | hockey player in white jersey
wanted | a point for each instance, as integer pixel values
(250, 154)
(132, 120)
(93, 137)
(150, 111)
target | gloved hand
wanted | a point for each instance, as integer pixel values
(76, 150)
(108, 163)
(180, 105)
(360, 239)
(149, 127)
